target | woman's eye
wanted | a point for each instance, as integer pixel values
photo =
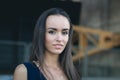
(51, 32)
(65, 33)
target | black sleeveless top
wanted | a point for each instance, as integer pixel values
(33, 73)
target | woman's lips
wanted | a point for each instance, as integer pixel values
(58, 46)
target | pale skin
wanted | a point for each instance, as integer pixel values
(56, 38)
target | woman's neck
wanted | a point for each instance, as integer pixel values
(51, 60)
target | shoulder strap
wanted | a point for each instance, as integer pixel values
(33, 72)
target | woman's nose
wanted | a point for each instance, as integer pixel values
(59, 37)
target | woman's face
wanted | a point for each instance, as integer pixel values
(57, 34)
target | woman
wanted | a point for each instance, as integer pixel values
(51, 57)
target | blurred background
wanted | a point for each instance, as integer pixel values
(96, 45)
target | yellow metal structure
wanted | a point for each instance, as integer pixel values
(105, 40)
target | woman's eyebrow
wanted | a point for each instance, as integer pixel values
(65, 29)
(52, 28)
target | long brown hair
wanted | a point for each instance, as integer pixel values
(65, 58)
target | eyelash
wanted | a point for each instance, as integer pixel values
(51, 32)
(65, 33)
(54, 32)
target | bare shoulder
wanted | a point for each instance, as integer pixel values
(20, 72)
